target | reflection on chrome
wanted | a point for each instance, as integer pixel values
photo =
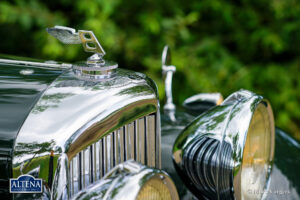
(36, 64)
(229, 149)
(134, 141)
(74, 115)
(202, 165)
(131, 181)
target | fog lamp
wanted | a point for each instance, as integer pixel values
(227, 152)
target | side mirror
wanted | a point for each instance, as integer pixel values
(168, 70)
(201, 102)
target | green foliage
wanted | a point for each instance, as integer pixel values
(217, 45)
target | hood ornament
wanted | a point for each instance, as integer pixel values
(95, 67)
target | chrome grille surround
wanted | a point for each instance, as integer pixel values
(73, 114)
(134, 141)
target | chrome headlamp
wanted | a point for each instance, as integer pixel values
(131, 180)
(227, 152)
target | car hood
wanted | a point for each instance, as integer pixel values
(20, 88)
(19, 91)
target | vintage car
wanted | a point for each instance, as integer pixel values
(92, 130)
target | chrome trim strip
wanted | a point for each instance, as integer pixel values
(61, 182)
(36, 64)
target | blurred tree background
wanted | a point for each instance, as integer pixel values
(217, 45)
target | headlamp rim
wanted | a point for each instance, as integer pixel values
(237, 170)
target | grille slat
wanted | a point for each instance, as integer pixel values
(122, 144)
(101, 158)
(95, 154)
(99, 165)
(131, 141)
(127, 143)
(141, 141)
(136, 140)
(105, 155)
(111, 151)
(150, 128)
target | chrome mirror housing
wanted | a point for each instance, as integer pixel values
(227, 152)
(169, 70)
(201, 102)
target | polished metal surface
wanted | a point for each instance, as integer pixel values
(95, 68)
(65, 34)
(93, 164)
(60, 188)
(284, 185)
(19, 92)
(201, 102)
(73, 114)
(69, 36)
(48, 64)
(169, 70)
(125, 181)
(209, 152)
(90, 42)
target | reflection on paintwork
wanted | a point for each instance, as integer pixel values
(18, 94)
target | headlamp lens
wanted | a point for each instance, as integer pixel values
(258, 154)
(154, 189)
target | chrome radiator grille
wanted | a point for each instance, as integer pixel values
(138, 140)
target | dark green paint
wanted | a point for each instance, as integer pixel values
(18, 94)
